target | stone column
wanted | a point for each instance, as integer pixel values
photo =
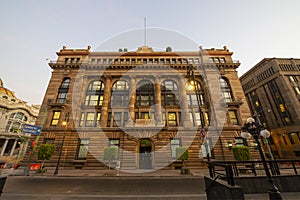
(106, 100)
(186, 121)
(13, 148)
(158, 111)
(132, 99)
(4, 147)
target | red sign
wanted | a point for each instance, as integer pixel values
(35, 166)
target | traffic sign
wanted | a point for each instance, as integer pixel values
(31, 129)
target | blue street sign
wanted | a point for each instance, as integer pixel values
(31, 129)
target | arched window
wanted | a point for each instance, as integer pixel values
(144, 93)
(120, 93)
(193, 89)
(94, 94)
(63, 91)
(226, 90)
(15, 122)
(169, 93)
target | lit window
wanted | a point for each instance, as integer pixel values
(191, 95)
(81, 119)
(55, 118)
(233, 117)
(206, 118)
(90, 119)
(281, 107)
(172, 121)
(198, 118)
(257, 104)
(297, 90)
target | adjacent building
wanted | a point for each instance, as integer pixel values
(14, 113)
(139, 102)
(272, 88)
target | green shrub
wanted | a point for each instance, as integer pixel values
(241, 153)
(45, 152)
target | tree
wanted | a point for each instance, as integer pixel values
(110, 154)
(182, 153)
(45, 152)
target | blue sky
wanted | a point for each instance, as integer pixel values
(32, 31)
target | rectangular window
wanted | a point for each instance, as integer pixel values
(145, 115)
(117, 119)
(55, 118)
(175, 143)
(125, 119)
(164, 118)
(233, 117)
(81, 122)
(83, 148)
(197, 119)
(109, 119)
(90, 119)
(206, 118)
(283, 137)
(291, 137)
(114, 143)
(192, 118)
(98, 117)
(172, 119)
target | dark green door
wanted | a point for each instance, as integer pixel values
(145, 154)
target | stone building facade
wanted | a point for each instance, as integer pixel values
(272, 88)
(14, 113)
(141, 104)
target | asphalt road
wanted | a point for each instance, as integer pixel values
(123, 188)
(112, 188)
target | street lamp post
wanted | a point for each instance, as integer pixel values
(255, 129)
(65, 124)
(257, 116)
(203, 136)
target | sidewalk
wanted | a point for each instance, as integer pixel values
(97, 173)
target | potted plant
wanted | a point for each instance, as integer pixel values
(44, 153)
(182, 153)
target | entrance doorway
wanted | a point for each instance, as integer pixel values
(145, 150)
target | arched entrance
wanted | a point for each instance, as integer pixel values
(145, 153)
